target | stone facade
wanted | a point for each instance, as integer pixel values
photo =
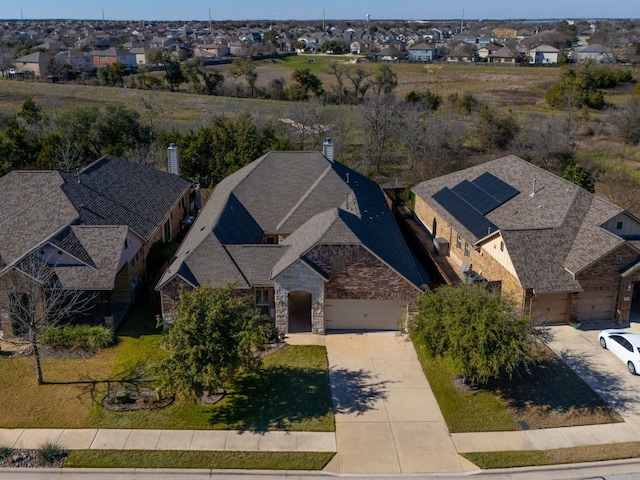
(299, 277)
(169, 296)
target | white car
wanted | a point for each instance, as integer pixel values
(625, 345)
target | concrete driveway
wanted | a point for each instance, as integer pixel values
(387, 419)
(600, 368)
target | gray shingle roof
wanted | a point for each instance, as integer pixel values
(104, 245)
(113, 191)
(85, 218)
(300, 195)
(551, 233)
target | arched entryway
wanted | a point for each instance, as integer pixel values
(299, 312)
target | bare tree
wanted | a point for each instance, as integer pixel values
(34, 299)
(379, 116)
(338, 70)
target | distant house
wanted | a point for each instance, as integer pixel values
(141, 55)
(110, 56)
(93, 228)
(471, 39)
(78, 60)
(504, 55)
(355, 47)
(460, 52)
(594, 53)
(544, 55)
(423, 52)
(484, 52)
(35, 63)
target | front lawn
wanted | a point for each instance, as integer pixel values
(526, 458)
(291, 392)
(552, 395)
(199, 460)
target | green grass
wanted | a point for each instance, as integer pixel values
(516, 458)
(475, 411)
(291, 392)
(527, 458)
(552, 395)
(200, 460)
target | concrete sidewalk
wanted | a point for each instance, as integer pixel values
(197, 440)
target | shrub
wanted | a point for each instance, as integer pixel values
(78, 336)
(4, 451)
(48, 453)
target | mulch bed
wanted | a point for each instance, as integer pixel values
(25, 458)
(135, 399)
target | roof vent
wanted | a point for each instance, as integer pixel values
(533, 190)
(173, 163)
(327, 149)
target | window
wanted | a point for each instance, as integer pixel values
(262, 300)
(467, 249)
(619, 226)
(126, 244)
(619, 259)
(459, 242)
(338, 265)
(501, 246)
(270, 239)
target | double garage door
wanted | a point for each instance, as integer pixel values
(365, 314)
(590, 305)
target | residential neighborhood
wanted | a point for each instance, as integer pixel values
(84, 46)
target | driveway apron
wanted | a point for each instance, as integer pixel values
(387, 419)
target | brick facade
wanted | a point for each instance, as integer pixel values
(481, 261)
(364, 276)
(603, 275)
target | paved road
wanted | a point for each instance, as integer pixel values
(623, 470)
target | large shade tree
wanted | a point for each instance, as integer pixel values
(215, 335)
(485, 334)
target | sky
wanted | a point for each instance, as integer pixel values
(302, 10)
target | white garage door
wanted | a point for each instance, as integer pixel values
(596, 305)
(365, 314)
(551, 308)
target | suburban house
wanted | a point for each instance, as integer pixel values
(423, 52)
(94, 228)
(312, 241)
(544, 55)
(594, 53)
(485, 51)
(504, 55)
(561, 252)
(36, 63)
(110, 56)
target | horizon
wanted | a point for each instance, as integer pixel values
(330, 10)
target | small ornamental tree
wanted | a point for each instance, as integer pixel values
(214, 337)
(484, 333)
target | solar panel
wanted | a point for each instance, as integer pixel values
(469, 217)
(495, 187)
(476, 197)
